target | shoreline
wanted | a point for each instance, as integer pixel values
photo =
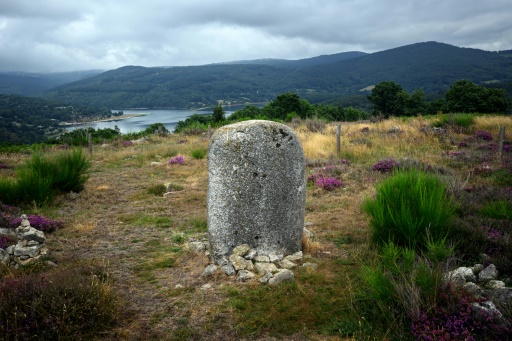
(110, 119)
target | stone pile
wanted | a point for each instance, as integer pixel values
(246, 264)
(481, 282)
(30, 246)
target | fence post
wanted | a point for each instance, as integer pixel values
(338, 139)
(500, 143)
(89, 140)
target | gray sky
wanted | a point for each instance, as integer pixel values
(65, 35)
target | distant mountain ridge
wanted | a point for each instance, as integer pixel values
(431, 66)
(35, 84)
(300, 63)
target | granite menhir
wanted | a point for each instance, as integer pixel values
(256, 189)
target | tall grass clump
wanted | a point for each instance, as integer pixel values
(408, 207)
(42, 177)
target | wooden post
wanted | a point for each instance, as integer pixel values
(500, 143)
(338, 140)
(89, 140)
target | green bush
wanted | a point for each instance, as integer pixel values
(399, 284)
(460, 120)
(498, 210)
(199, 153)
(42, 178)
(409, 206)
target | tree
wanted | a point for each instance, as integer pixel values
(466, 96)
(388, 98)
(287, 103)
(218, 113)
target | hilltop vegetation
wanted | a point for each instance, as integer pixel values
(126, 234)
(430, 66)
(30, 119)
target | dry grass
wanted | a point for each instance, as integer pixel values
(115, 220)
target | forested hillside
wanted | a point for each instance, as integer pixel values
(431, 66)
(29, 120)
(35, 84)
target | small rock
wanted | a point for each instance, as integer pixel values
(209, 270)
(489, 273)
(154, 163)
(494, 284)
(477, 268)
(484, 258)
(466, 273)
(261, 268)
(295, 257)
(488, 307)
(228, 269)
(249, 266)
(238, 262)
(241, 250)
(244, 275)
(262, 259)
(281, 276)
(287, 264)
(4, 256)
(266, 277)
(308, 223)
(251, 254)
(474, 290)
(502, 297)
(178, 286)
(50, 263)
(197, 247)
(273, 257)
(206, 286)
(312, 266)
(222, 261)
(10, 250)
(308, 233)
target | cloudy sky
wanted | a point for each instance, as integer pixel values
(65, 35)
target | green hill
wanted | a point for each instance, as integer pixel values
(432, 66)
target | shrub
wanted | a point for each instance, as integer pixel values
(328, 184)
(157, 190)
(315, 125)
(199, 153)
(176, 160)
(483, 135)
(498, 210)
(399, 284)
(409, 206)
(42, 178)
(6, 241)
(41, 223)
(385, 166)
(456, 318)
(65, 304)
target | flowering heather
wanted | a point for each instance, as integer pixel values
(385, 166)
(127, 143)
(41, 223)
(484, 135)
(182, 141)
(7, 215)
(176, 160)
(463, 145)
(456, 318)
(3, 165)
(483, 169)
(492, 234)
(6, 241)
(328, 184)
(454, 154)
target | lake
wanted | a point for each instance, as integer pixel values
(169, 118)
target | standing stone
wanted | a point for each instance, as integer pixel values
(256, 189)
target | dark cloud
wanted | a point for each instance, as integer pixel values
(61, 35)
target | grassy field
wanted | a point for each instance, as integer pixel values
(123, 223)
